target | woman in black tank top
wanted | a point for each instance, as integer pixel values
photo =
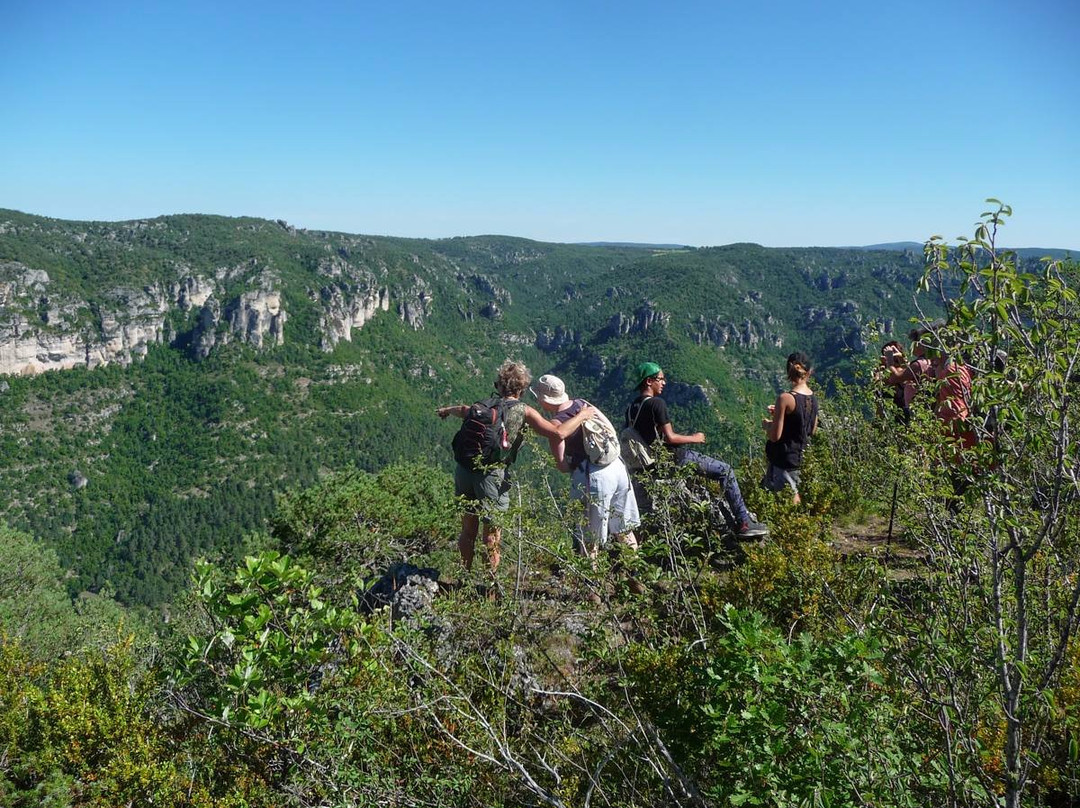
(793, 420)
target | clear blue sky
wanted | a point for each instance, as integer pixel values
(784, 123)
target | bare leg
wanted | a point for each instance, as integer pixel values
(466, 542)
(492, 537)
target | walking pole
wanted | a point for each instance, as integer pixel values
(892, 515)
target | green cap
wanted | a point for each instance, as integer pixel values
(645, 370)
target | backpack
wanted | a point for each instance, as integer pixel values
(601, 441)
(484, 439)
(635, 453)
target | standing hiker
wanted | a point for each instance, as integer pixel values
(485, 447)
(906, 376)
(598, 477)
(893, 375)
(648, 414)
(791, 422)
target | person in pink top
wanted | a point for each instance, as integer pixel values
(953, 394)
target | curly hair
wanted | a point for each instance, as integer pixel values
(513, 379)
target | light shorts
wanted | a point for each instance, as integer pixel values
(610, 504)
(777, 479)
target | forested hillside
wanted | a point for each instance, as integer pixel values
(905, 636)
(209, 363)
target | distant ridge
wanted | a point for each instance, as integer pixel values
(1024, 252)
(892, 245)
(633, 245)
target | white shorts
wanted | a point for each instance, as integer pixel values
(610, 504)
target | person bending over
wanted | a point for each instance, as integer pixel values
(486, 490)
(610, 504)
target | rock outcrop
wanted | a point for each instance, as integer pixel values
(42, 328)
(748, 334)
(406, 588)
(415, 305)
(257, 318)
(346, 308)
(561, 338)
(646, 318)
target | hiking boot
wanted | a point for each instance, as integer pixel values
(752, 529)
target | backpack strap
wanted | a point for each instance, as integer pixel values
(515, 447)
(633, 424)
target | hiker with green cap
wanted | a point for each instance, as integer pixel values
(648, 414)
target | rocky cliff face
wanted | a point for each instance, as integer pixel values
(748, 334)
(345, 309)
(646, 318)
(416, 304)
(44, 329)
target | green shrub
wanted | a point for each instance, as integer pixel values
(763, 720)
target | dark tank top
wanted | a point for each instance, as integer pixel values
(787, 452)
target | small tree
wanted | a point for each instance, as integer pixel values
(1006, 553)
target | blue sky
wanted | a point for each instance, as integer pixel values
(782, 123)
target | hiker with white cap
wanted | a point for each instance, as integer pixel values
(598, 477)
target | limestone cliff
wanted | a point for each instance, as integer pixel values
(42, 328)
(350, 298)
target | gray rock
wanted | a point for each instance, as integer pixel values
(406, 588)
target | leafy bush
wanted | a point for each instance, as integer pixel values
(89, 732)
(763, 720)
(362, 521)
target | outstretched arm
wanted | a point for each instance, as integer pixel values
(458, 410)
(561, 431)
(673, 438)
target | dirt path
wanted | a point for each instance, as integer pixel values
(871, 538)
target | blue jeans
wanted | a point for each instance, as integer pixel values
(721, 472)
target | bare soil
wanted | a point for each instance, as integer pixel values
(872, 539)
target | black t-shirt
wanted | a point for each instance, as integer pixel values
(651, 419)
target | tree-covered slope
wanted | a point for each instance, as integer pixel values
(214, 361)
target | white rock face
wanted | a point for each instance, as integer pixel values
(46, 328)
(257, 318)
(416, 304)
(342, 314)
(193, 292)
(40, 330)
